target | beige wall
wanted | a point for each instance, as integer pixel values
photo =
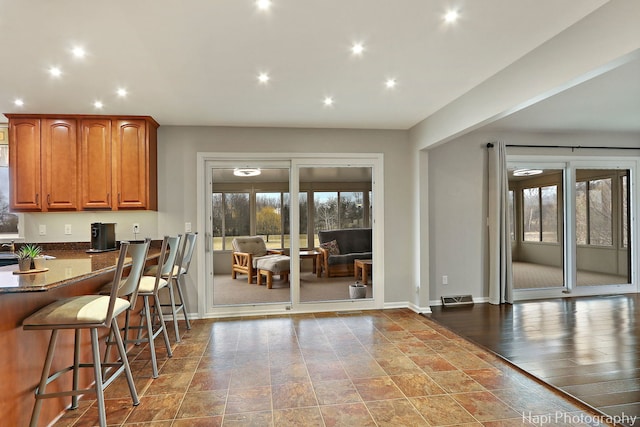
(177, 150)
(180, 145)
(457, 201)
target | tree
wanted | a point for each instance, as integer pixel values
(268, 221)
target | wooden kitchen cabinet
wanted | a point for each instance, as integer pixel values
(25, 165)
(59, 140)
(82, 162)
(43, 164)
(96, 163)
(135, 154)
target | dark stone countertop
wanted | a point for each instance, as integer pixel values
(69, 266)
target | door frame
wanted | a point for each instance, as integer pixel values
(295, 161)
(571, 163)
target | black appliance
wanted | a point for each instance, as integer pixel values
(103, 237)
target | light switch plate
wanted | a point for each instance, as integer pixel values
(187, 227)
(42, 230)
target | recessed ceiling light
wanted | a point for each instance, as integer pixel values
(328, 101)
(55, 71)
(18, 102)
(98, 104)
(263, 78)
(122, 92)
(263, 4)
(451, 16)
(357, 49)
(390, 83)
(78, 52)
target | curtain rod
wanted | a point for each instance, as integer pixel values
(572, 147)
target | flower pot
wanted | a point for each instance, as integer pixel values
(39, 263)
(357, 290)
(24, 264)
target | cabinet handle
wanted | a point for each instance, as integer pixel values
(118, 198)
(108, 198)
(49, 199)
(37, 198)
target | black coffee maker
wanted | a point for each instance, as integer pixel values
(103, 237)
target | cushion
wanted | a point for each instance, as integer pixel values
(76, 311)
(252, 245)
(350, 240)
(332, 247)
(148, 284)
(274, 263)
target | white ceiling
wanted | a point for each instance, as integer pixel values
(196, 62)
(608, 102)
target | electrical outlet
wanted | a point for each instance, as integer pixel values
(67, 229)
(136, 228)
(42, 230)
(187, 227)
(445, 280)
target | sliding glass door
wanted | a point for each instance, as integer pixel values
(337, 205)
(602, 227)
(572, 227)
(286, 214)
(538, 239)
(250, 218)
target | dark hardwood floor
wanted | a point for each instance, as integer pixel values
(587, 347)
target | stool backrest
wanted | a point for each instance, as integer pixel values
(170, 260)
(117, 278)
(164, 250)
(129, 287)
(187, 252)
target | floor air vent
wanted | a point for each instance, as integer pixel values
(457, 300)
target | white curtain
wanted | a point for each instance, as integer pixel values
(500, 274)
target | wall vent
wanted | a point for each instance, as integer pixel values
(457, 300)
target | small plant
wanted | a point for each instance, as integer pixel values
(30, 250)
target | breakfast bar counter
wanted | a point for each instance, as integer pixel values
(22, 353)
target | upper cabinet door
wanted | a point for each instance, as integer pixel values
(96, 154)
(60, 168)
(131, 164)
(25, 165)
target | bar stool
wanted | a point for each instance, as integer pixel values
(150, 287)
(128, 288)
(92, 312)
(167, 270)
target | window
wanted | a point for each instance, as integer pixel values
(8, 221)
(231, 218)
(338, 209)
(540, 214)
(594, 212)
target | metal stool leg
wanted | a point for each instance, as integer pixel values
(173, 311)
(43, 379)
(76, 368)
(97, 369)
(125, 362)
(158, 312)
(179, 285)
(152, 347)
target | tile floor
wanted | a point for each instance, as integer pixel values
(370, 368)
